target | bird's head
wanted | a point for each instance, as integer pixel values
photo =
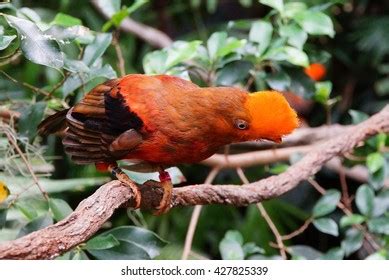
(268, 116)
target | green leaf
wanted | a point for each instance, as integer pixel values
(79, 255)
(5, 40)
(377, 179)
(124, 251)
(116, 20)
(66, 35)
(36, 224)
(381, 203)
(29, 14)
(323, 91)
(250, 249)
(155, 62)
(60, 208)
(4, 6)
(326, 204)
(336, 253)
(278, 80)
(326, 225)
(296, 56)
(381, 140)
(3, 217)
(261, 32)
(365, 200)
(231, 246)
(295, 35)
(353, 219)
(214, 43)
(357, 116)
(278, 168)
(118, 16)
(304, 252)
(65, 20)
(76, 80)
(102, 242)
(379, 225)
(35, 45)
(97, 48)
(142, 238)
(230, 46)
(291, 9)
(315, 23)
(276, 4)
(233, 73)
(109, 7)
(352, 242)
(180, 52)
(374, 162)
(30, 118)
(75, 66)
(26, 209)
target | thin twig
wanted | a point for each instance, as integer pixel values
(274, 229)
(298, 231)
(59, 84)
(119, 53)
(25, 160)
(343, 183)
(195, 217)
(255, 158)
(26, 85)
(11, 59)
(250, 81)
(266, 216)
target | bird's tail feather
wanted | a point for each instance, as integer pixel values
(54, 123)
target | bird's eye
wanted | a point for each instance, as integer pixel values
(241, 124)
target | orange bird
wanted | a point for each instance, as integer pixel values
(161, 121)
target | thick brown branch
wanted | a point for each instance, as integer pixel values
(96, 209)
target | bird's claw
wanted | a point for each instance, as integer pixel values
(123, 177)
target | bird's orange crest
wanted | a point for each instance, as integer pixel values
(272, 116)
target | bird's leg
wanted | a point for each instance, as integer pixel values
(116, 171)
(167, 186)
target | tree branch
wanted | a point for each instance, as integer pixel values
(147, 33)
(301, 136)
(91, 214)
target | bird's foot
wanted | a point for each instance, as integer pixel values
(167, 187)
(123, 177)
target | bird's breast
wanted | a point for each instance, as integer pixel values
(163, 150)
